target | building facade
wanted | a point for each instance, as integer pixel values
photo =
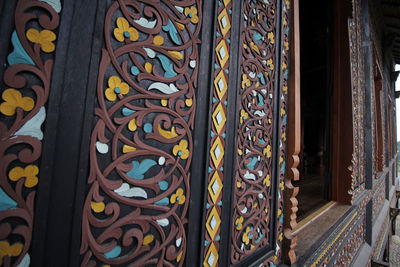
(197, 132)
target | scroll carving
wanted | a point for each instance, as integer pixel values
(27, 78)
(141, 146)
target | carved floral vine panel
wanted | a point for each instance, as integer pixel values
(136, 208)
(255, 203)
(27, 78)
(357, 83)
(218, 133)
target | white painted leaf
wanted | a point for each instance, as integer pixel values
(163, 222)
(25, 261)
(260, 173)
(161, 161)
(179, 8)
(101, 147)
(150, 52)
(249, 176)
(252, 75)
(32, 127)
(55, 4)
(146, 23)
(127, 191)
(162, 87)
(178, 242)
(260, 113)
(244, 210)
(192, 63)
(260, 196)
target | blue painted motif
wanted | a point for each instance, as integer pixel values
(6, 202)
(55, 4)
(260, 100)
(173, 33)
(283, 167)
(127, 111)
(257, 36)
(261, 141)
(163, 185)
(163, 202)
(139, 169)
(148, 128)
(261, 77)
(135, 70)
(167, 66)
(19, 55)
(251, 165)
(113, 253)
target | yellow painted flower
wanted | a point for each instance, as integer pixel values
(283, 112)
(286, 45)
(284, 66)
(192, 14)
(116, 86)
(13, 100)
(270, 64)
(271, 37)
(267, 181)
(267, 151)
(30, 173)
(245, 81)
(178, 196)
(243, 115)
(245, 236)
(181, 149)
(282, 185)
(285, 90)
(239, 223)
(123, 30)
(9, 250)
(287, 4)
(284, 136)
(45, 38)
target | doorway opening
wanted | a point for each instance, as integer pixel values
(316, 97)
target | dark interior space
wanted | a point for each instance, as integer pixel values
(316, 95)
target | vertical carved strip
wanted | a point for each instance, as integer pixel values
(27, 77)
(218, 129)
(141, 146)
(293, 145)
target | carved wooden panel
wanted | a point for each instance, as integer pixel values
(27, 78)
(141, 148)
(260, 157)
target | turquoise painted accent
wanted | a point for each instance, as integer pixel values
(220, 203)
(285, 120)
(55, 4)
(286, 74)
(287, 30)
(138, 169)
(219, 3)
(223, 135)
(259, 238)
(163, 185)
(173, 33)
(135, 70)
(283, 168)
(261, 141)
(117, 90)
(225, 103)
(214, 100)
(261, 77)
(127, 111)
(257, 36)
(218, 238)
(212, 134)
(260, 100)
(252, 163)
(113, 253)
(19, 55)
(6, 202)
(227, 71)
(208, 206)
(206, 243)
(148, 128)
(222, 169)
(281, 219)
(127, 34)
(216, 66)
(218, 34)
(167, 66)
(228, 40)
(163, 202)
(210, 169)
(230, 11)
(272, 265)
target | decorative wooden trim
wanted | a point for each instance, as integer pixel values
(294, 138)
(28, 75)
(141, 149)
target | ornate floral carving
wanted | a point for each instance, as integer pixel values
(254, 201)
(27, 76)
(141, 147)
